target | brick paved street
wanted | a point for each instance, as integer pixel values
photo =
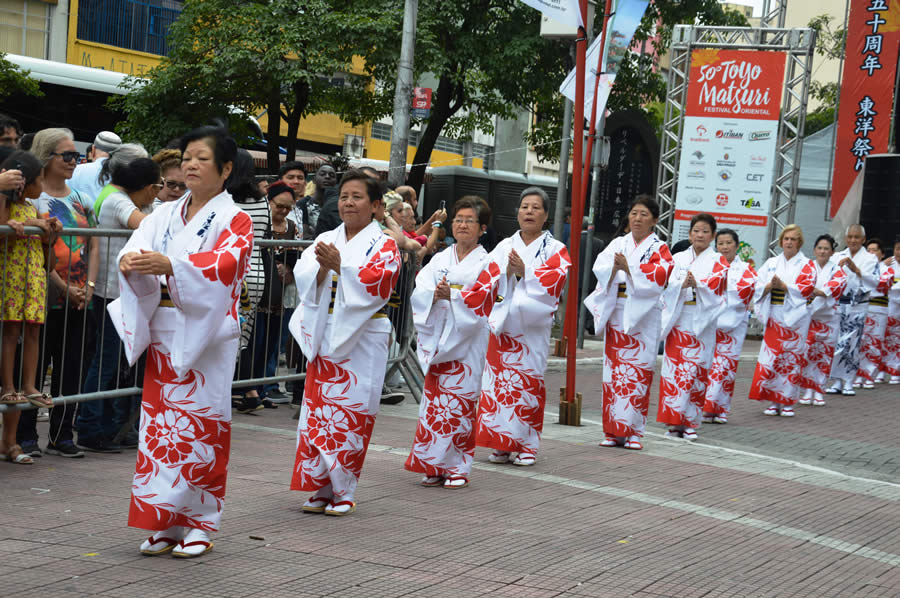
(762, 506)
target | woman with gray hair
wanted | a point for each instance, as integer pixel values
(120, 157)
(533, 267)
(71, 287)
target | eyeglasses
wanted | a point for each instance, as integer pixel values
(175, 186)
(157, 186)
(281, 207)
(466, 222)
(67, 156)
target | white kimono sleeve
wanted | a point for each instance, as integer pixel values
(307, 324)
(602, 300)
(536, 296)
(645, 285)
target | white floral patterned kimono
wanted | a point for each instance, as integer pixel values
(511, 410)
(785, 314)
(871, 359)
(852, 307)
(891, 356)
(342, 328)
(629, 309)
(731, 329)
(823, 331)
(188, 324)
(689, 327)
(452, 338)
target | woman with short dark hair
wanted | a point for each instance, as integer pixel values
(180, 282)
(343, 281)
(692, 302)
(631, 275)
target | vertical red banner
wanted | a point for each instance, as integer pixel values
(867, 91)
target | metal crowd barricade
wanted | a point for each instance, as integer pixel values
(127, 381)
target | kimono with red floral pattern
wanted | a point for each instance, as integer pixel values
(871, 359)
(452, 338)
(185, 430)
(511, 410)
(689, 327)
(823, 331)
(347, 346)
(631, 321)
(781, 356)
(731, 328)
(891, 349)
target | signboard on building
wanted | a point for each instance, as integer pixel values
(421, 102)
(867, 91)
(729, 142)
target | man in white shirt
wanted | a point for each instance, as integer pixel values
(85, 177)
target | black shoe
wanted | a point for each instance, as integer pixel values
(31, 448)
(392, 398)
(130, 441)
(248, 405)
(278, 397)
(65, 448)
(96, 445)
(267, 404)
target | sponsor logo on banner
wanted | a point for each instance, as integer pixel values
(722, 200)
(698, 154)
(755, 177)
(760, 135)
(726, 161)
(696, 174)
(751, 203)
(725, 175)
(757, 161)
(729, 134)
(693, 199)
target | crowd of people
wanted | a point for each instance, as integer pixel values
(185, 299)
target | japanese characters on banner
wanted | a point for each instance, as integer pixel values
(729, 142)
(867, 90)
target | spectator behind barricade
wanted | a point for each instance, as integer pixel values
(409, 196)
(86, 177)
(567, 227)
(314, 205)
(10, 131)
(293, 174)
(488, 238)
(430, 243)
(25, 141)
(135, 185)
(262, 184)
(122, 155)
(242, 186)
(72, 282)
(169, 161)
(23, 291)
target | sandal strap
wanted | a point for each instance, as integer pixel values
(349, 503)
(195, 543)
(165, 539)
(456, 478)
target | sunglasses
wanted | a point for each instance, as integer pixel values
(67, 156)
(176, 186)
(157, 186)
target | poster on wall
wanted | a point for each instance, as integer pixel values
(729, 142)
(867, 92)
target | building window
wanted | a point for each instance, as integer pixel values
(140, 25)
(24, 27)
(445, 144)
(479, 150)
(381, 131)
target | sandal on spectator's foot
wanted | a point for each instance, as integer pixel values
(525, 459)
(40, 399)
(340, 508)
(432, 481)
(787, 412)
(456, 481)
(12, 398)
(773, 410)
(195, 544)
(316, 504)
(162, 542)
(499, 457)
(16, 455)
(634, 443)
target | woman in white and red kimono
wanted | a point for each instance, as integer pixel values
(786, 282)
(343, 282)
(451, 303)
(533, 267)
(731, 328)
(870, 360)
(631, 275)
(891, 355)
(180, 281)
(692, 302)
(823, 330)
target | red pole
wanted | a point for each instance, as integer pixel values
(570, 327)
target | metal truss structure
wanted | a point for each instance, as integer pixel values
(799, 44)
(773, 13)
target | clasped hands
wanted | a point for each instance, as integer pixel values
(145, 262)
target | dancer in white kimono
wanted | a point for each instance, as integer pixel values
(453, 298)
(533, 267)
(823, 331)
(871, 359)
(180, 282)
(786, 282)
(891, 355)
(631, 275)
(731, 328)
(863, 272)
(692, 303)
(343, 282)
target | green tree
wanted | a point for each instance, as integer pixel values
(230, 59)
(830, 43)
(13, 80)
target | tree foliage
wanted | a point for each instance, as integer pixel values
(830, 43)
(14, 80)
(230, 59)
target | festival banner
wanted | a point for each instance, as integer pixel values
(867, 91)
(728, 144)
(563, 11)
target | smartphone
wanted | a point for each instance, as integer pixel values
(443, 204)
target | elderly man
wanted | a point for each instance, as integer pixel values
(862, 270)
(86, 176)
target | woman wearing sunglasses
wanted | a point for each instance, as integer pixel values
(169, 161)
(71, 286)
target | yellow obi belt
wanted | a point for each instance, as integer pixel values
(879, 301)
(777, 297)
(165, 300)
(381, 313)
(622, 290)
